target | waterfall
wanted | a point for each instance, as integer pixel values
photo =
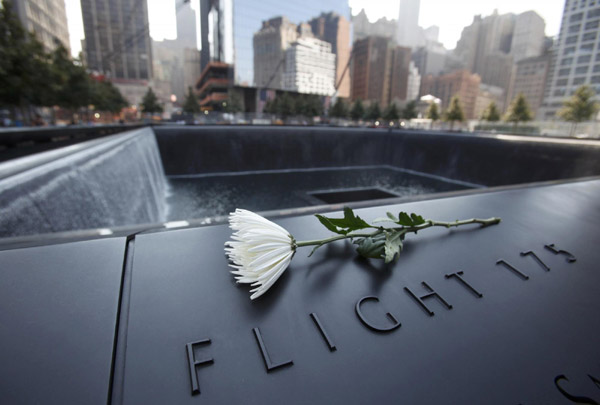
(113, 181)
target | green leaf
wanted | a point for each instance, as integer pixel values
(327, 223)
(410, 220)
(393, 245)
(392, 216)
(371, 247)
(343, 226)
(417, 219)
(404, 219)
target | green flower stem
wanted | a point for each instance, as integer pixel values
(402, 229)
(334, 238)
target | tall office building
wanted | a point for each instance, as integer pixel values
(362, 27)
(576, 59)
(530, 80)
(186, 26)
(216, 31)
(248, 16)
(528, 37)
(369, 67)
(492, 45)
(399, 74)
(47, 19)
(414, 82)
(270, 43)
(489, 94)
(461, 83)
(409, 33)
(228, 29)
(492, 34)
(498, 69)
(309, 67)
(335, 29)
(380, 71)
(179, 59)
(430, 61)
(117, 38)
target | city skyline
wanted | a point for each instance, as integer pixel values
(433, 12)
(451, 17)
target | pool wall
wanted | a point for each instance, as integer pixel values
(481, 159)
(102, 183)
(119, 180)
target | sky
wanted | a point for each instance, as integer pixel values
(450, 15)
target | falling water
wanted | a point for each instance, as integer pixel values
(118, 180)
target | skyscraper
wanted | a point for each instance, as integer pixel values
(461, 83)
(576, 59)
(381, 71)
(414, 82)
(47, 19)
(492, 45)
(248, 16)
(216, 29)
(117, 38)
(309, 67)
(335, 29)
(528, 36)
(362, 27)
(492, 34)
(409, 33)
(186, 26)
(270, 43)
(370, 69)
(399, 74)
(530, 80)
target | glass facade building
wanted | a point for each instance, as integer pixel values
(117, 38)
(248, 16)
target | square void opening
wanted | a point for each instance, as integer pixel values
(343, 196)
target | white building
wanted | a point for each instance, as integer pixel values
(576, 59)
(309, 67)
(414, 82)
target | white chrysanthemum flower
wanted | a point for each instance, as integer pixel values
(260, 251)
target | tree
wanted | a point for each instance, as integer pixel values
(272, 106)
(301, 107)
(518, 111)
(410, 110)
(358, 111)
(150, 103)
(106, 97)
(286, 105)
(25, 74)
(373, 112)
(432, 112)
(313, 106)
(339, 109)
(454, 112)
(234, 102)
(190, 105)
(491, 113)
(74, 88)
(391, 112)
(580, 107)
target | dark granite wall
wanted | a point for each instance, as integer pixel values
(487, 160)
